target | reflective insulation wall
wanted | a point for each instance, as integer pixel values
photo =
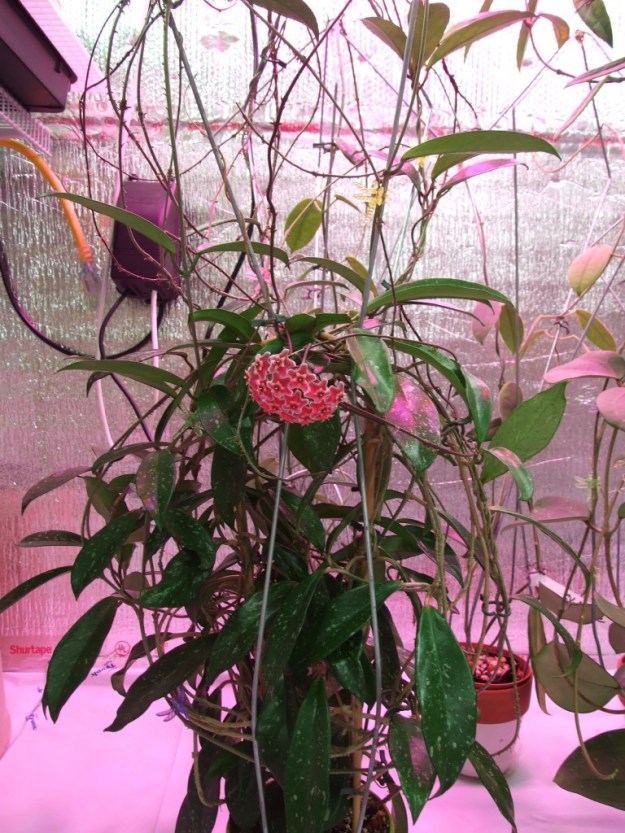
(517, 228)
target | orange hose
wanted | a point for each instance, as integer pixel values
(85, 253)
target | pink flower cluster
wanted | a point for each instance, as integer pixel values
(290, 391)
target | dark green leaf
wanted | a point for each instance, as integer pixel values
(293, 9)
(262, 249)
(495, 782)
(75, 654)
(99, 550)
(350, 275)
(53, 481)
(156, 477)
(29, 585)
(242, 795)
(101, 497)
(303, 222)
(287, 626)
(481, 141)
(595, 687)
(198, 813)
(147, 374)
(213, 406)
(126, 218)
(273, 732)
(372, 369)
(342, 617)
(315, 445)
(306, 522)
(229, 475)
(192, 535)
(231, 321)
(595, 16)
(181, 581)
(52, 538)
(410, 759)
(162, 678)
(528, 429)
(607, 752)
(352, 669)
(307, 787)
(446, 693)
(435, 289)
(389, 641)
(468, 31)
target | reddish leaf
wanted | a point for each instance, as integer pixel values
(550, 509)
(601, 363)
(588, 266)
(611, 406)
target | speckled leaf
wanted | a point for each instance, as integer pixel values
(597, 333)
(99, 550)
(52, 538)
(229, 475)
(155, 483)
(528, 429)
(286, 628)
(413, 412)
(315, 445)
(212, 408)
(181, 581)
(446, 696)
(595, 686)
(29, 585)
(607, 752)
(342, 617)
(272, 732)
(595, 16)
(307, 787)
(303, 222)
(306, 520)
(192, 535)
(353, 670)
(410, 759)
(75, 654)
(611, 406)
(198, 812)
(604, 364)
(372, 369)
(495, 782)
(519, 472)
(161, 678)
(50, 483)
(588, 267)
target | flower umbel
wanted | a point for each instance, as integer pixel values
(290, 391)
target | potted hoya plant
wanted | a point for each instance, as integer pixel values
(272, 516)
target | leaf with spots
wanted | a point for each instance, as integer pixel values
(446, 693)
(410, 759)
(307, 786)
(155, 483)
(495, 782)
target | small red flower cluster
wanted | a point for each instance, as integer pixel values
(290, 391)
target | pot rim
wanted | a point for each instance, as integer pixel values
(524, 669)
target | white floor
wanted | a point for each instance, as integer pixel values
(71, 777)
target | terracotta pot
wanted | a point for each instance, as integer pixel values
(499, 705)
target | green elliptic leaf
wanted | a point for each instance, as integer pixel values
(372, 369)
(126, 218)
(481, 141)
(596, 332)
(446, 694)
(262, 249)
(528, 429)
(293, 9)
(315, 445)
(342, 617)
(75, 654)
(495, 782)
(410, 759)
(198, 812)
(432, 289)
(52, 538)
(303, 222)
(607, 752)
(232, 323)
(99, 551)
(147, 374)
(510, 328)
(241, 791)
(228, 478)
(239, 633)
(192, 535)
(352, 669)
(155, 480)
(273, 733)
(477, 396)
(413, 412)
(350, 275)
(604, 364)
(611, 406)
(595, 687)
(50, 483)
(162, 678)
(29, 585)
(388, 32)
(588, 267)
(519, 472)
(307, 786)
(596, 17)
(599, 72)
(286, 628)
(181, 581)
(212, 410)
(424, 43)
(306, 521)
(467, 32)
(613, 612)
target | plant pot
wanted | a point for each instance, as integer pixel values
(377, 827)
(500, 706)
